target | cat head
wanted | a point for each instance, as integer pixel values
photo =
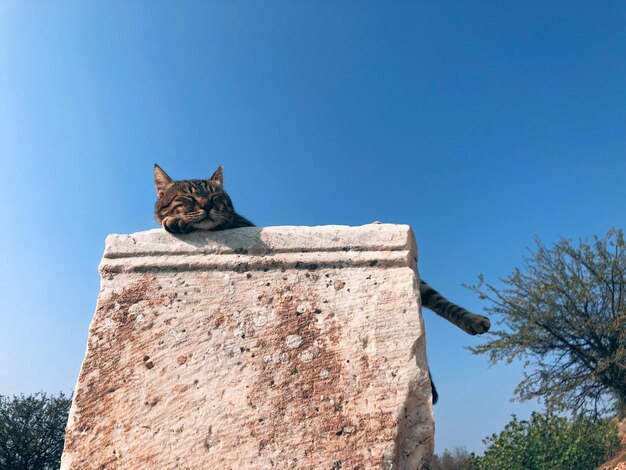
(185, 205)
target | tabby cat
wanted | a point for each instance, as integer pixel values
(183, 206)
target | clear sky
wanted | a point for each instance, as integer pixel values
(482, 124)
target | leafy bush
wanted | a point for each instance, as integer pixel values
(548, 442)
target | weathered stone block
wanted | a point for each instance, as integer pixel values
(277, 347)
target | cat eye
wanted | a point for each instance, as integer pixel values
(184, 201)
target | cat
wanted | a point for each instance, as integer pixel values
(183, 206)
(187, 205)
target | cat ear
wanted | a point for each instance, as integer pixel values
(218, 176)
(161, 180)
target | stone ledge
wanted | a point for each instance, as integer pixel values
(277, 347)
(262, 248)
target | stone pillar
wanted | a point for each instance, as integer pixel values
(277, 347)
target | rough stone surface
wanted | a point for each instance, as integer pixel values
(277, 347)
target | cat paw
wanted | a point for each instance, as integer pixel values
(176, 225)
(476, 324)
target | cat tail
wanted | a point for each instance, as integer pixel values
(433, 389)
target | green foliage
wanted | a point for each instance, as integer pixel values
(548, 442)
(564, 314)
(32, 431)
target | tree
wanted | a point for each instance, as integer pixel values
(549, 442)
(455, 460)
(32, 431)
(565, 315)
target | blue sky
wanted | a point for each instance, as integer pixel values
(481, 124)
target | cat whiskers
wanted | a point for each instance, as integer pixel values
(221, 217)
(186, 219)
(193, 217)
